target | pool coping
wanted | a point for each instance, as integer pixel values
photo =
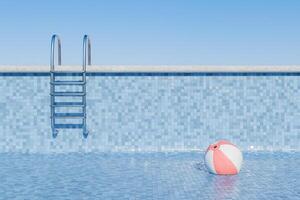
(156, 69)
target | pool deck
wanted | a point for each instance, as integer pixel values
(157, 69)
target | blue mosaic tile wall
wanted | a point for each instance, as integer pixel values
(156, 113)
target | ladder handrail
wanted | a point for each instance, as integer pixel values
(86, 44)
(53, 41)
(86, 58)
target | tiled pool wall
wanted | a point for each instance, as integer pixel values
(156, 113)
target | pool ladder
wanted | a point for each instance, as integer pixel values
(80, 104)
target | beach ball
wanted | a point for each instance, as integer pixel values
(223, 158)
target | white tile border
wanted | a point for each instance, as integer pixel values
(156, 68)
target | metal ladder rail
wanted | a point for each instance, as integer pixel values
(86, 61)
(52, 69)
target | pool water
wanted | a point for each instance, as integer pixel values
(145, 176)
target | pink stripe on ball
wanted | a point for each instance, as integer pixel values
(222, 164)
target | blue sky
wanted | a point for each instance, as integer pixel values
(166, 32)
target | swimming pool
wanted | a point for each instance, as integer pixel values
(145, 176)
(147, 134)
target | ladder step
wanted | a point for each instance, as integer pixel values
(68, 94)
(71, 115)
(68, 125)
(68, 73)
(68, 104)
(68, 83)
